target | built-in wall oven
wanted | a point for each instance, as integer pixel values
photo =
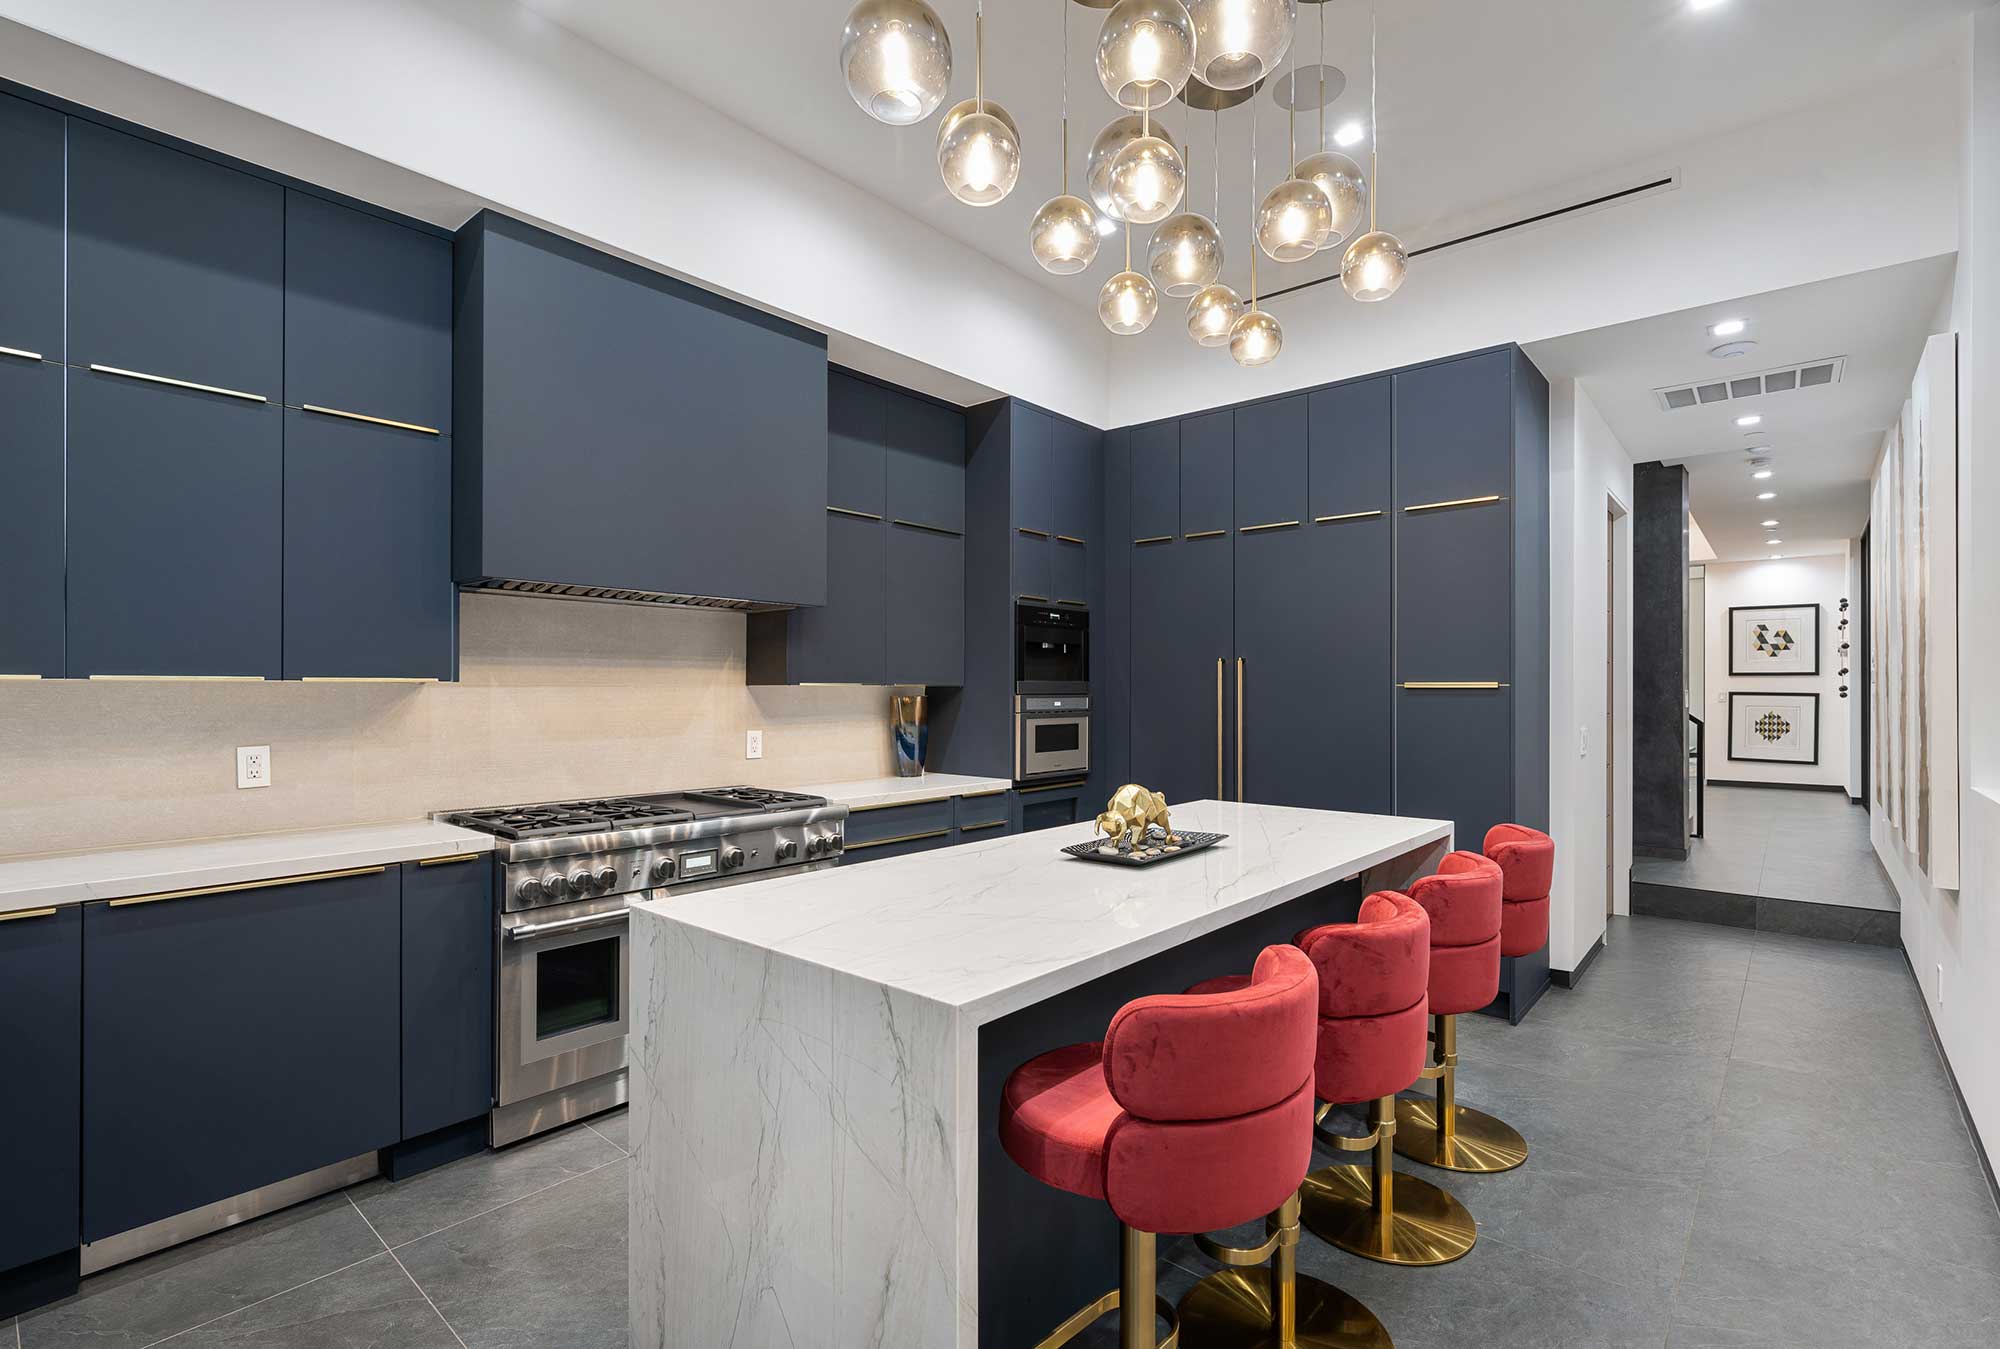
(1051, 692)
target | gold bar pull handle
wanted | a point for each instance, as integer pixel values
(1451, 684)
(1068, 538)
(418, 427)
(1448, 505)
(1239, 728)
(19, 914)
(1031, 533)
(180, 383)
(1218, 730)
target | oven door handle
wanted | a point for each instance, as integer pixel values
(568, 924)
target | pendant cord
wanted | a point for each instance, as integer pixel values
(1322, 79)
(1374, 125)
(1253, 204)
(1215, 157)
(979, 57)
(1062, 18)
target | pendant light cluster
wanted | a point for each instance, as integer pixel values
(896, 58)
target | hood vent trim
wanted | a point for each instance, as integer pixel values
(498, 585)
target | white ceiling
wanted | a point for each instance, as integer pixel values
(1821, 442)
(1502, 101)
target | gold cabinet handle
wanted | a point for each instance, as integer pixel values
(1053, 787)
(975, 828)
(1155, 538)
(930, 529)
(247, 885)
(453, 860)
(372, 421)
(1275, 524)
(892, 805)
(1081, 604)
(1351, 515)
(1031, 533)
(180, 383)
(1447, 505)
(1068, 538)
(1206, 534)
(1239, 728)
(1452, 684)
(1039, 599)
(24, 355)
(26, 913)
(859, 515)
(900, 838)
(178, 679)
(1218, 730)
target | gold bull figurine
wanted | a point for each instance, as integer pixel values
(1130, 811)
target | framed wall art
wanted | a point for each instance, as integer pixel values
(1778, 728)
(1774, 639)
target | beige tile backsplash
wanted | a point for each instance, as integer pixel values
(556, 699)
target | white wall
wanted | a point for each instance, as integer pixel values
(1792, 580)
(1588, 470)
(1864, 182)
(502, 107)
(1953, 939)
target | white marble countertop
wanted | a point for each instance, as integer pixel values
(113, 873)
(987, 928)
(863, 793)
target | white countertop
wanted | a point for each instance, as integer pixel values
(72, 878)
(990, 927)
(862, 793)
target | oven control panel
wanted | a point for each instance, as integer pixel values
(598, 875)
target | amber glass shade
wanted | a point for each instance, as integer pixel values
(1293, 217)
(1346, 189)
(1239, 42)
(1145, 52)
(1185, 255)
(896, 58)
(1255, 338)
(1127, 303)
(1147, 180)
(1375, 266)
(1063, 235)
(979, 157)
(1212, 313)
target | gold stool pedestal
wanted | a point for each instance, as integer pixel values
(1379, 1214)
(1231, 1309)
(1450, 1136)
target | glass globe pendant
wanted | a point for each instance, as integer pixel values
(979, 153)
(1185, 255)
(1145, 51)
(1239, 42)
(1063, 234)
(1256, 338)
(896, 58)
(1375, 266)
(1346, 190)
(1212, 313)
(1128, 301)
(1104, 151)
(1147, 179)
(1291, 220)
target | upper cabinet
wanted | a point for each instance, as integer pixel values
(1455, 430)
(1270, 463)
(31, 547)
(176, 265)
(857, 471)
(31, 231)
(1156, 482)
(1353, 450)
(367, 316)
(926, 464)
(1207, 472)
(619, 429)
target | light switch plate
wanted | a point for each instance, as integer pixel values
(753, 745)
(253, 765)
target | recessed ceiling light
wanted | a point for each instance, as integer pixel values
(1350, 133)
(1777, 557)
(1761, 474)
(1727, 328)
(1699, 5)
(1770, 524)
(1729, 351)
(1772, 543)
(1752, 420)
(1766, 496)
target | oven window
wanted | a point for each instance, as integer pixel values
(576, 986)
(1056, 737)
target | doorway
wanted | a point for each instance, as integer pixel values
(1617, 711)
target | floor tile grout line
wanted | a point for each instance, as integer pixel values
(200, 1325)
(606, 1137)
(487, 1212)
(422, 1292)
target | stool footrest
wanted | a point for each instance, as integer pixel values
(1087, 1316)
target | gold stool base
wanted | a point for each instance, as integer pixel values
(1231, 1309)
(1429, 1226)
(1482, 1144)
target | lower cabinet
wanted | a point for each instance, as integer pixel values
(41, 1011)
(1053, 806)
(990, 815)
(447, 978)
(1455, 758)
(236, 1037)
(872, 833)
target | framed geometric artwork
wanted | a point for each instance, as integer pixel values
(1774, 727)
(1775, 639)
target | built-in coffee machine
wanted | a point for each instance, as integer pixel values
(1051, 692)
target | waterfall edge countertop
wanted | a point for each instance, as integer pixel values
(57, 879)
(805, 1058)
(873, 793)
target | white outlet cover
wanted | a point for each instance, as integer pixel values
(753, 745)
(253, 765)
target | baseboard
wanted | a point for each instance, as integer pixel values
(1761, 913)
(38, 1283)
(1964, 1114)
(414, 1156)
(1571, 978)
(1661, 854)
(1781, 786)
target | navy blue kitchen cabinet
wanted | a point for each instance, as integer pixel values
(1207, 468)
(857, 421)
(31, 547)
(447, 992)
(176, 507)
(367, 547)
(1455, 429)
(1183, 671)
(31, 230)
(845, 640)
(367, 316)
(234, 1038)
(1348, 604)
(1054, 805)
(1453, 759)
(41, 1045)
(1074, 482)
(1352, 435)
(1032, 490)
(926, 606)
(619, 430)
(987, 815)
(875, 832)
(1111, 625)
(1454, 567)
(1155, 485)
(1269, 465)
(176, 264)
(926, 464)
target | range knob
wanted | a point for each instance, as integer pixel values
(663, 870)
(732, 859)
(607, 876)
(579, 880)
(787, 849)
(554, 887)
(529, 890)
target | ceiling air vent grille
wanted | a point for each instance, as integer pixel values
(1810, 375)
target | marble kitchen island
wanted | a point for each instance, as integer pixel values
(815, 1061)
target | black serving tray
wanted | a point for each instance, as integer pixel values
(1191, 841)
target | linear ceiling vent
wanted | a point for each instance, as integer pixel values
(1811, 375)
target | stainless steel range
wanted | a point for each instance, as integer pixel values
(569, 872)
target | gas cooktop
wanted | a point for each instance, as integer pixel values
(553, 819)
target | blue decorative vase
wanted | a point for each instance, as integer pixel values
(911, 734)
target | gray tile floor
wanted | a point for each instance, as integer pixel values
(1738, 1139)
(1779, 844)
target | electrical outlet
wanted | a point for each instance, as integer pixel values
(753, 745)
(1940, 985)
(1583, 741)
(253, 765)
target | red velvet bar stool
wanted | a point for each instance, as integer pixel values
(1527, 859)
(1464, 902)
(1374, 978)
(1193, 1114)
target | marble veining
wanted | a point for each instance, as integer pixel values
(863, 793)
(804, 1060)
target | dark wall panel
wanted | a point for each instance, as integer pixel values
(1659, 683)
